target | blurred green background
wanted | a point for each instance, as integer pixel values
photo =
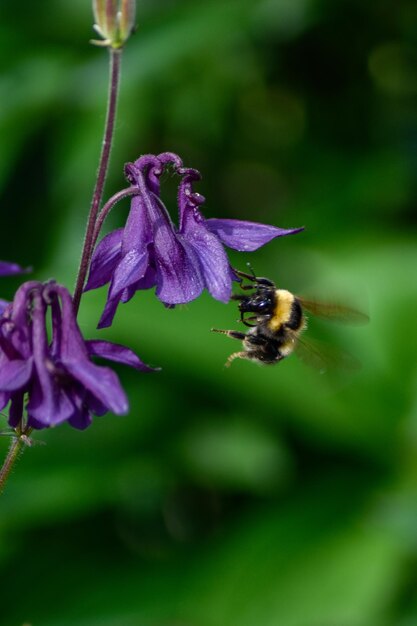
(249, 496)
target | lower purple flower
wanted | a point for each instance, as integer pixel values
(54, 377)
(150, 251)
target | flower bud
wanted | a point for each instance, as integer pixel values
(127, 18)
(114, 21)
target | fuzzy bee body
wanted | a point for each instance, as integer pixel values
(277, 320)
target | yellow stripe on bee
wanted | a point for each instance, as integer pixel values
(282, 311)
(287, 348)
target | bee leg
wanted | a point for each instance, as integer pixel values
(251, 277)
(242, 313)
(247, 320)
(230, 333)
(236, 355)
(239, 296)
(258, 280)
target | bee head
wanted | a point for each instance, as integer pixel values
(261, 303)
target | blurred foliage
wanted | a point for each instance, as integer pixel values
(249, 496)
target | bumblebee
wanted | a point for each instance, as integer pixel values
(279, 322)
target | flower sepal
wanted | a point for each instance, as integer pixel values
(114, 22)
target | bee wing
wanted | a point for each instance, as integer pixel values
(334, 311)
(322, 357)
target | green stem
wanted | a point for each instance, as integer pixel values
(16, 447)
(114, 79)
(129, 191)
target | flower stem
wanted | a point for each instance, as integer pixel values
(124, 193)
(15, 448)
(114, 79)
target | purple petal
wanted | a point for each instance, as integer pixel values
(15, 374)
(102, 382)
(151, 167)
(95, 406)
(36, 424)
(9, 269)
(178, 276)
(147, 282)
(48, 403)
(170, 157)
(207, 247)
(179, 279)
(215, 267)
(246, 236)
(130, 269)
(85, 406)
(187, 199)
(4, 399)
(3, 306)
(119, 354)
(56, 318)
(20, 302)
(109, 312)
(16, 409)
(137, 233)
(212, 257)
(105, 258)
(81, 419)
(13, 343)
(147, 167)
(132, 263)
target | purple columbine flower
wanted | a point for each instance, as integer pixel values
(150, 251)
(55, 378)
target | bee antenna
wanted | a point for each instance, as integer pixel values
(251, 269)
(251, 276)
